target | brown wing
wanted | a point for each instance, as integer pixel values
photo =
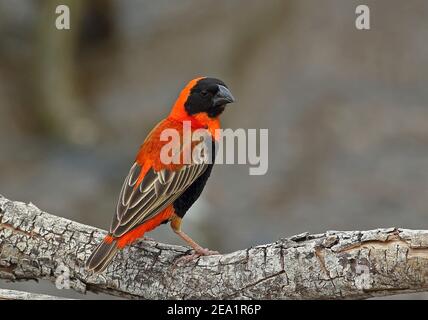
(156, 191)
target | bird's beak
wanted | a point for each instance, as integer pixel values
(223, 96)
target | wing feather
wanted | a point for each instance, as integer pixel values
(156, 191)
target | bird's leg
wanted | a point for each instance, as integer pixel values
(199, 251)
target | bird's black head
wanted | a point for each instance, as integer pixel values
(208, 95)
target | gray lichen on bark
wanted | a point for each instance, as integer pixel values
(348, 264)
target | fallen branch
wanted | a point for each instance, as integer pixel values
(351, 264)
(20, 295)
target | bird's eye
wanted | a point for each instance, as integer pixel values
(204, 93)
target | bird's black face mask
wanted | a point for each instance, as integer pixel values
(209, 95)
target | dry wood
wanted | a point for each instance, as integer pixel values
(20, 295)
(333, 265)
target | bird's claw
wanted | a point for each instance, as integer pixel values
(195, 255)
(207, 252)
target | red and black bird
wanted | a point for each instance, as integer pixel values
(153, 192)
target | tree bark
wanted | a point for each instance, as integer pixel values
(20, 295)
(332, 265)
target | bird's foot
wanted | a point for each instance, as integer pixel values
(196, 254)
(207, 252)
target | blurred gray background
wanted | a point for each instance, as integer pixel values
(346, 110)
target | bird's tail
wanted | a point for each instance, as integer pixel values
(102, 255)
